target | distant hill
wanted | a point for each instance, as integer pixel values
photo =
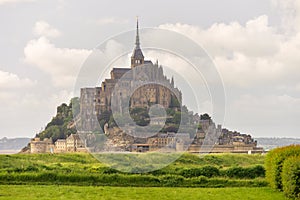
(13, 145)
(271, 143)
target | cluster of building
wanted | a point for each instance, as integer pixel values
(144, 77)
(209, 139)
(150, 86)
(72, 144)
(215, 139)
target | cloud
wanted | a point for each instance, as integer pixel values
(42, 28)
(12, 81)
(290, 15)
(62, 64)
(12, 87)
(2, 2)
(259, 64)
(248, 55)
(21, 107)
(255, 38)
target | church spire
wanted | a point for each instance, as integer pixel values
(137, 57)
(137, 37)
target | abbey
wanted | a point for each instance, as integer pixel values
(143, 82)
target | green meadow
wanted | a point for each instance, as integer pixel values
(81, 176)
(37, 192)
(225, 170)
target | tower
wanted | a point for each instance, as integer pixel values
(137, 57)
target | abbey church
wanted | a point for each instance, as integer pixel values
(136, 89)
(144, 83)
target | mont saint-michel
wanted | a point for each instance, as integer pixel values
(124, 114)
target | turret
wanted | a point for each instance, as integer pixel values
(137, 57)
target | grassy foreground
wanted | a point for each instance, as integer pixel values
(20, 192)
(226, 170)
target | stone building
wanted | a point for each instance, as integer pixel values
(60, 146)
(41, 146)
(169, 141)
(215, 139)
(72, 144)
(75, 144)
(146, 79)
(162, 140)
(141, 85)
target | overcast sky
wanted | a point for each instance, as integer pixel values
(255, 45)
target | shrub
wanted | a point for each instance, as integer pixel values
(207, 171)
(108, 170)
(274, 162)
(31, 169)
(171, 180)
(200, 180)
(236, 172)
(291, 177)
(257, 171)
(47, 176)
(162, 171)
(210, 171)
(248, 172)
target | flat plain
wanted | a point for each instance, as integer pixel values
(81, 176)
(45, 192)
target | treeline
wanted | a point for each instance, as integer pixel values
(283, 170)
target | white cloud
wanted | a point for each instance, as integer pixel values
(259, 64)
(12, 89)
(248, 55)
(42, 28)
(14, 1)
(255, 38)
(12, 81)
(21, 107)
(62, 64)
(290, 14)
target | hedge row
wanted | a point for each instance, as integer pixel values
(291, 177)
(135, 180)
(208, 171)
(282, 172)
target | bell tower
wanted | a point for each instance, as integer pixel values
(137, 57)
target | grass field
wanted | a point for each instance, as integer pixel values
(81, 176)
(21, 192)
(79, 161)
(226, 170)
